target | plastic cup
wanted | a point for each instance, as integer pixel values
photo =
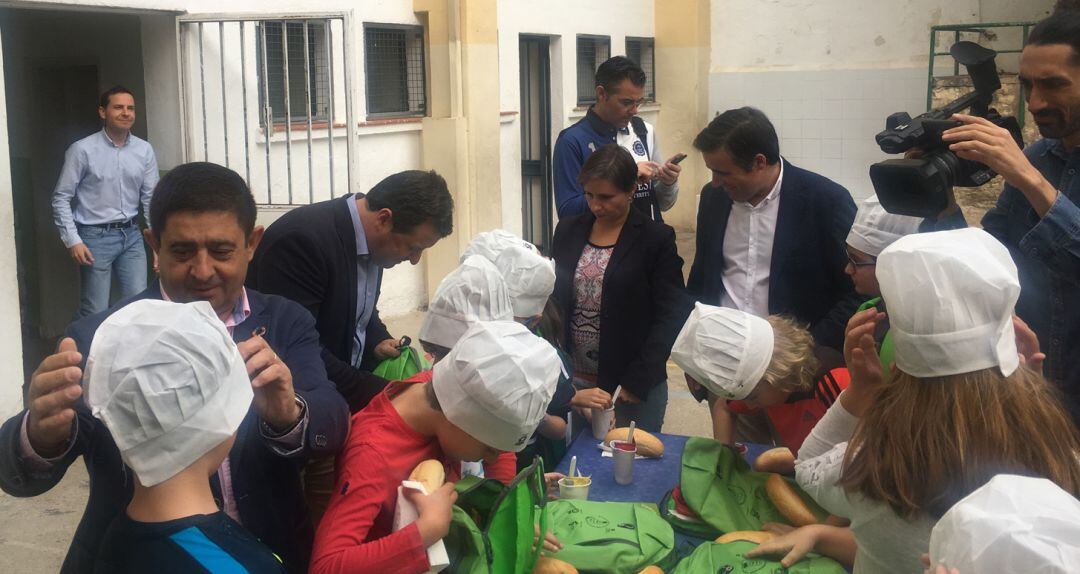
(576, 488)
(601, 422)
(623, 452)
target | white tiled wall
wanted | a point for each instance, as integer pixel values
(826, 120)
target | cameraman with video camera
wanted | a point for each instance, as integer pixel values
(1037, 216)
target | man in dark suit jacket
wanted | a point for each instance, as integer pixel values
(203, 220)
(329, 257)
(770, 236)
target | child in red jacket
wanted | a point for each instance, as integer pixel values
(745, 363)
(486, 397)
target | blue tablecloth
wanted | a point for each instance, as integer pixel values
(653, 477)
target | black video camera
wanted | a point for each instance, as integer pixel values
(922, 186)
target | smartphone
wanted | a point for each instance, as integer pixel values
(675, 160)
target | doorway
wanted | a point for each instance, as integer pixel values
(55, 64)
(536, 187)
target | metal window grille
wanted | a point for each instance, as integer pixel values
(395, 73)
(591, 52)
(265, 96)
(641, 50)
(318, 71)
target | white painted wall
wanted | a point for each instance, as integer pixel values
(827, 73)
(758, 35)
(11, 361)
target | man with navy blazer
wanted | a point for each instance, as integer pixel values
(203, 221)
(329, 257)
(770, 236)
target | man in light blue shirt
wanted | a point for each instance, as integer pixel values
(106, 176)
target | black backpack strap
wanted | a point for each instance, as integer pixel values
(641, 132)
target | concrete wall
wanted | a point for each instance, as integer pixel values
(828, 73)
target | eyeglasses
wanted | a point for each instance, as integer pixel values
(857, 264)
(628, 103)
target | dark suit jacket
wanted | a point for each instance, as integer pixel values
(806, 277)
(643, 304)
(309, 256)
(265, 484)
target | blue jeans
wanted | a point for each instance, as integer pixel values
(119, 250)
(649, 413)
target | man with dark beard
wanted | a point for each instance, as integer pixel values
(1038, 214)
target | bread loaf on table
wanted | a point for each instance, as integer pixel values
(549, 565)
(788, 502)
(647, 445)
(779, 460)
(430, 473)
(755, 536)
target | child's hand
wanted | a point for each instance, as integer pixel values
(940, 569)
(551, 543)
(794, 545)
(862, 361)
(551, 484)
(435, 511)
(594, 398)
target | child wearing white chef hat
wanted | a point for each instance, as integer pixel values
(486, 397)
(167, 381)
(958, 408)
(514, 285)
(747, 363)
(874, 229)
(1011, 524)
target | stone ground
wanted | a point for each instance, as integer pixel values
(35, 532)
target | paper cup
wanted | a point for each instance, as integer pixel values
(574, 488)
(601, 422)
(623, 452)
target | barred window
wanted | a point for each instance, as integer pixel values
(591, 52)
(394, 70)
(317, 71)
(640, 50)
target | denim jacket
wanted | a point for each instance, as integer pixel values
(1047, 256)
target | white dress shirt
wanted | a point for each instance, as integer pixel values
(748, 250)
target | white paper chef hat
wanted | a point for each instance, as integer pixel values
(530, 278)
(726, 350)
(1011, 524)
(496, 383)
(875, 229)
(490, 243)
(169, 384)
(474, 291)
(950, 297)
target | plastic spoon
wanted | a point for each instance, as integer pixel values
(615, 395)
(573, 465)
(630, 434)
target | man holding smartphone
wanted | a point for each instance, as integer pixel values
(620, 90)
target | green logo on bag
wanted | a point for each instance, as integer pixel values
(596, 521)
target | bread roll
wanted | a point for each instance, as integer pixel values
(788, 502)
(755, 536)
(651, 570)
(430, 473)
(779, 460)
(549, 565)
(647, 445)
